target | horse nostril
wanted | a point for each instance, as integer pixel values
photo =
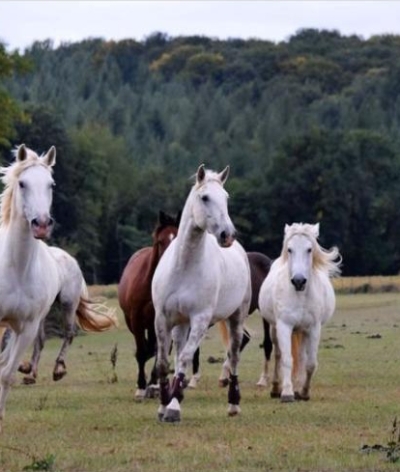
(35, 222)
(223, 236)
(299, 282)
(51, 221)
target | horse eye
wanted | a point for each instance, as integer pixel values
(309, 250)
(289, 251)
(21, 184)
(205, 198)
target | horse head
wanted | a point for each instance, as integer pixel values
(29, 190)
(165, 231)
(299, 248)
(210, 205)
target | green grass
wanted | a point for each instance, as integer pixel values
(86, 422)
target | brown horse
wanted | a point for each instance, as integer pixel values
(134, 296)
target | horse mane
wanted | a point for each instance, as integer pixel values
(328, 260)
(10, 174)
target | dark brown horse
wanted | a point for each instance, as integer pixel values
(134, 296)
(259, 269)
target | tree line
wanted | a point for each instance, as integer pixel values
(309, 126)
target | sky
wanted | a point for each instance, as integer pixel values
(23, 22)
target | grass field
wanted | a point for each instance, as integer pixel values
(90, 422)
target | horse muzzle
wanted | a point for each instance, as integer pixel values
(299, 283)
(42, 227)
(225, 239)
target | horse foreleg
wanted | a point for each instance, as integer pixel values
(284, 336)
(236, 335)
(141, 358)
(163, 344)
(180, 339)
(30, 368)
(267, 347)
(311, 341)
(276, 383)
(10, 359)
(60, 369)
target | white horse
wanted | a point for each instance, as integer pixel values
(30, 276)
(203, 277)
(75, 307)
(297, 295)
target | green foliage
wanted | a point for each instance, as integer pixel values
(309, 126)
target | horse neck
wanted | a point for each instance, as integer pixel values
(190, 239)
(19, 246)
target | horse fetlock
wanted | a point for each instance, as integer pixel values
(172, 412)
(25, 367)
(140, 394)
(29, 380)
(234, 410)
(262, 381)
(276, 390)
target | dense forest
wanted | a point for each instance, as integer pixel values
(310, 128)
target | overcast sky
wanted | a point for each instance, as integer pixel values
(22, 22)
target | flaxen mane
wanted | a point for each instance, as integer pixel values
(323, 259)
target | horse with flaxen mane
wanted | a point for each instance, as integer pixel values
(297, 295)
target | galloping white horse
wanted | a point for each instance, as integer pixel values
(30, 276)
(297, 295)
(76, 307)
(203, 277)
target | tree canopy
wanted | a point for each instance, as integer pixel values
(310, 127)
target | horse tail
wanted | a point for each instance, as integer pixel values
(297, 337)
(224, 332)
(94, 316)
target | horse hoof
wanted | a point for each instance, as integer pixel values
(301, 396)
(152, 391)
(234, 410)
(29, 380)
(287, 398)
(140, 394)
(223, 383)
(172, 412)
(25, 368)
(59, 375)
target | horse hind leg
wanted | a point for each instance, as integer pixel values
(267, 347)
(194, 380)
(68, 310)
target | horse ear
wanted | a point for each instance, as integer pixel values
(162, 218)
(286, 229)
(22, 153)
(50, 157)
(316, 230)
(201, 173)
(224, 174)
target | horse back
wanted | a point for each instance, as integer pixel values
(134, 289)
